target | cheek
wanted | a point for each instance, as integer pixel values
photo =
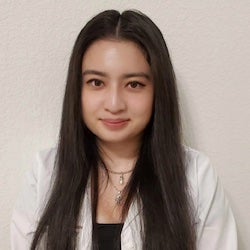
(142, 107)
(89, 103)
(84, 101)
(87, 108)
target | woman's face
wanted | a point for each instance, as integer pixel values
(117, 92)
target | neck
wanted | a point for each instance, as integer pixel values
(119, 157)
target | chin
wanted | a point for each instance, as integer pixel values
(113, 140)
(116, 139)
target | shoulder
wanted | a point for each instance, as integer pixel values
(43, 169)
(216, 227)
(44, 162)
(32, 197)
(198, 164)
(201, 175)
(45, 159)
(192, 155)
(38, 179)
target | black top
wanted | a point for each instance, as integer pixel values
(109, 236)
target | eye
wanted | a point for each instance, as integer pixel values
(135, 85)
(95, 82)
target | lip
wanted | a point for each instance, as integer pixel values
(115, 123)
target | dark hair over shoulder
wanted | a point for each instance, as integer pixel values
(159, 177)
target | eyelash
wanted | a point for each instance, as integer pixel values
(138, 85)
(131, 84)
(93, 82)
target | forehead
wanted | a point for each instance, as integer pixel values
(115, 56)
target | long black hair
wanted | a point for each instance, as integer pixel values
(159, 178)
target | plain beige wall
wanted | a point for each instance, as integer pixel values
(209, 44)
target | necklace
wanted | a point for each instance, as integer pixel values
(121, 177)
(118, 197)
(119, 194)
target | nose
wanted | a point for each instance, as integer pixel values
(114, 100)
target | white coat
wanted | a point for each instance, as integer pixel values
(216, 229)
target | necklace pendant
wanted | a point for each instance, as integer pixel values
(121, 180)
(118, 198)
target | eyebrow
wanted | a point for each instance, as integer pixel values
(128, 75)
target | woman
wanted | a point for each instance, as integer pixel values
(122, 178)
